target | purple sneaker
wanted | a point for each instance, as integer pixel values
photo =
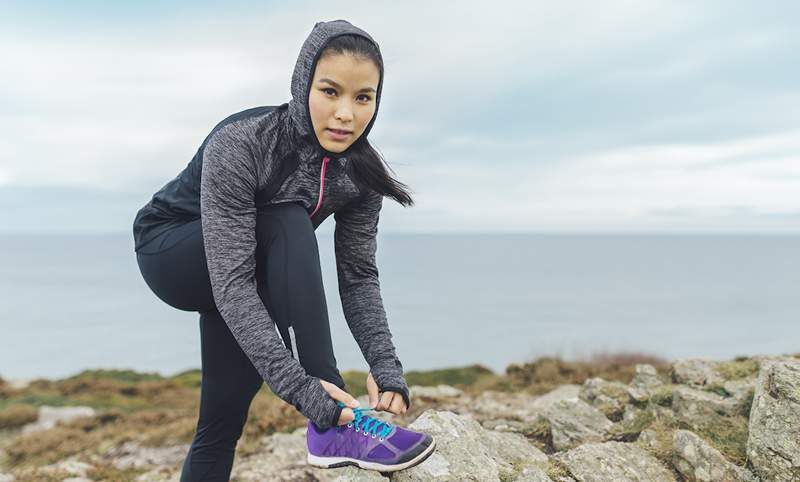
(368, 443)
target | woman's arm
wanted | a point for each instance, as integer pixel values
(355, 244)
(227, 205)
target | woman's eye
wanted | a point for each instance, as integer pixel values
(331, 90)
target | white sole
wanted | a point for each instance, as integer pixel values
(334, 462)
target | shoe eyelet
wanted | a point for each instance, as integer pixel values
(349, 424)
(365, 433)
(373, 435)
(381, 439)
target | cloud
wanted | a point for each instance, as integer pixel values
(614, 115)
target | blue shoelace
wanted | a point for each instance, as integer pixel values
(367, 424)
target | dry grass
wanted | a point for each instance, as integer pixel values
(546, 373)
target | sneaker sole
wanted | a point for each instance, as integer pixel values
(335, 462)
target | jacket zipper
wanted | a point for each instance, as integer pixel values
(321, 185)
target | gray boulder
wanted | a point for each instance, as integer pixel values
(773, 444)
(698, 461)
(617, 461)
(608, 397)
(467, 451)
(645, 377)
(696, 372)
(434, 393)
(698, 407)
(49, 416)
(563, 392)
(574, 422)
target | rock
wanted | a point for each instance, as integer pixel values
(631, 413)
(648, 439)
(563, 392)
(491, 404)
(740, 389)
(19, 384)
(467, 451)
(696, 372)
(533, 474)
(773, 444)
(50, 416)
(574, 422)
(70, 466)
(608, 397)
(698, 461)
(4, 477)
(639, 395)
(617, 461)
(698, 407)
(646, 377)
(132, 455)
(435, 393)
(77, 479)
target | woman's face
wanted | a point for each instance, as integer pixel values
(342, 97)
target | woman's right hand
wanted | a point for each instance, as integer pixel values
(340, 395)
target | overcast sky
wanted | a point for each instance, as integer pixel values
(617, 116)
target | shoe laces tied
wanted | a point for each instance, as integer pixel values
(367, 424)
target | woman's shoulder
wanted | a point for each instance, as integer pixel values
(246, 124)
(251, 114)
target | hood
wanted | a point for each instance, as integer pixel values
(298, 110)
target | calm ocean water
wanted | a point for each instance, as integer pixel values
(76, 302)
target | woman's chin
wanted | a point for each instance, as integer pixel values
(335, 146)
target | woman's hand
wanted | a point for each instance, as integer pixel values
(390, 401)
(340, 395)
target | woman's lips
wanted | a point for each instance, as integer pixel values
(337, 135)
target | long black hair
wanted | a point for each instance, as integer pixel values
(365, 165)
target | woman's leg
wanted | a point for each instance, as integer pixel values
(174, 267)
(229, 384)
(290, 284)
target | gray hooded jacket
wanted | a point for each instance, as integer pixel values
(269, 155)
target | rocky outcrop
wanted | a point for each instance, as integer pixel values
(704, 421)
(773, 445)
(698, 461)
(608, 397)
(696, 372)
(467, 451)
(574, 422)
(614, 461)
(48, 417)
(697, 407)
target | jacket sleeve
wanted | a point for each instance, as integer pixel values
(355, 245)
(228, 184)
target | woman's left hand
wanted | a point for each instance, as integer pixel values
(389, 401)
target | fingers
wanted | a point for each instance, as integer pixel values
(338, 394)
(346, 416)
(372, 390)
(384, 401)
(398, 405)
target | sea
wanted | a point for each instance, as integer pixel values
(75, 302)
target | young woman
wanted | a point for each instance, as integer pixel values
(232, 237)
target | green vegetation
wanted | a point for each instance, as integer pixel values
(740, 367)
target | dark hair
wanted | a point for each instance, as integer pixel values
(365, 165)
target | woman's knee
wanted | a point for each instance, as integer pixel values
(286, 219)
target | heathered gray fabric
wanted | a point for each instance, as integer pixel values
(238, 160)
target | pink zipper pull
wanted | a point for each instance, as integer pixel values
(321, 185)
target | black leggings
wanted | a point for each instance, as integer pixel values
(174, 267)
